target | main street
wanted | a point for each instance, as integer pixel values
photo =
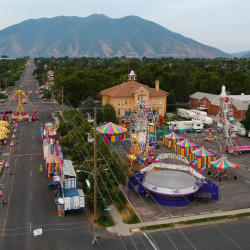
(30, 204)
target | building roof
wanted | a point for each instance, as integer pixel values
(127, 89)
(241, 102)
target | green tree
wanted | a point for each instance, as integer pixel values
(108, 113)
(171, 101)
(246, 121)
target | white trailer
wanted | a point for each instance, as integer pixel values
(199, 112)
(185, 113)
(241, 129)
(183, 126)
(205, 119)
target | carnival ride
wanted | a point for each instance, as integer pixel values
(227, 126)
(142, 120)
(16, 116)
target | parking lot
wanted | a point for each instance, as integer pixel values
(234, 193)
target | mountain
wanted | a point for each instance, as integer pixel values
(99, 36)
(247, 55)
(239, 54)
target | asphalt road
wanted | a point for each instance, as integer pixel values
(31, 204)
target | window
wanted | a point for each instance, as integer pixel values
(129, 102)
(156, 101)
(118, 111)
(122, 102)
(153, 101)
(122, 112)
(118, 102)
(126, 102)
(160, 101)
(160, 110)
(139, 97)
(149, 102)
(145, 98)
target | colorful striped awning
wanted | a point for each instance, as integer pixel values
(222, 163)
(173, 136)
(186, 144)
(3, 123)
(202, 152)
(4, 130)
(111, 128)
(3, 136)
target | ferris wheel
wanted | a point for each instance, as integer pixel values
(141, 118)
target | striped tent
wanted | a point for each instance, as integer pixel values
(171, 139)
(112, 132)
(202, 156)
(4, 123)
(222, 164)
(52, 165)
(185, 147)
(3, 136)
(4, 130)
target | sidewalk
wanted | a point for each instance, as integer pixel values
(122, 229)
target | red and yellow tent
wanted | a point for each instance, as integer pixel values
(203, 157)
(185, 147)
(171, 139)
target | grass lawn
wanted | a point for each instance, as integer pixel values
(125, 210)
(190, 222)
(69, 115)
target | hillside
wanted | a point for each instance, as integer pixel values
(99, 36)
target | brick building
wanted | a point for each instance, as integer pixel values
(211, 103)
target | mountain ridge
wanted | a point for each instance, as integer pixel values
(99, 36)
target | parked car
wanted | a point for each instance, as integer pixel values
(24, 101)
(157, 145)
(2, 100)
(40, 97)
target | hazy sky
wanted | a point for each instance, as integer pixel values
(223, 24)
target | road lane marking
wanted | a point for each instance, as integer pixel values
(32, 146)
(26, 155)
(151, 242)
(31, 158)
(11, 189)
(30, 173)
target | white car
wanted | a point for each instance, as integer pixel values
(24, 101)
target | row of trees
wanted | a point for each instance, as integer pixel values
(84, 77)
(11, 71)
(80, 151)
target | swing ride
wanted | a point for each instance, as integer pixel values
(17, 116)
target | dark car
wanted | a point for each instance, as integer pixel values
(157, 145)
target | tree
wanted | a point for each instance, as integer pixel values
(108, 113)
(246, 121)
(171, 101)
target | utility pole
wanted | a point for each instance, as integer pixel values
(6, 82)
(95, 169)
(62, 96)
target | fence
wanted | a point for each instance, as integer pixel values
(77, 226)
